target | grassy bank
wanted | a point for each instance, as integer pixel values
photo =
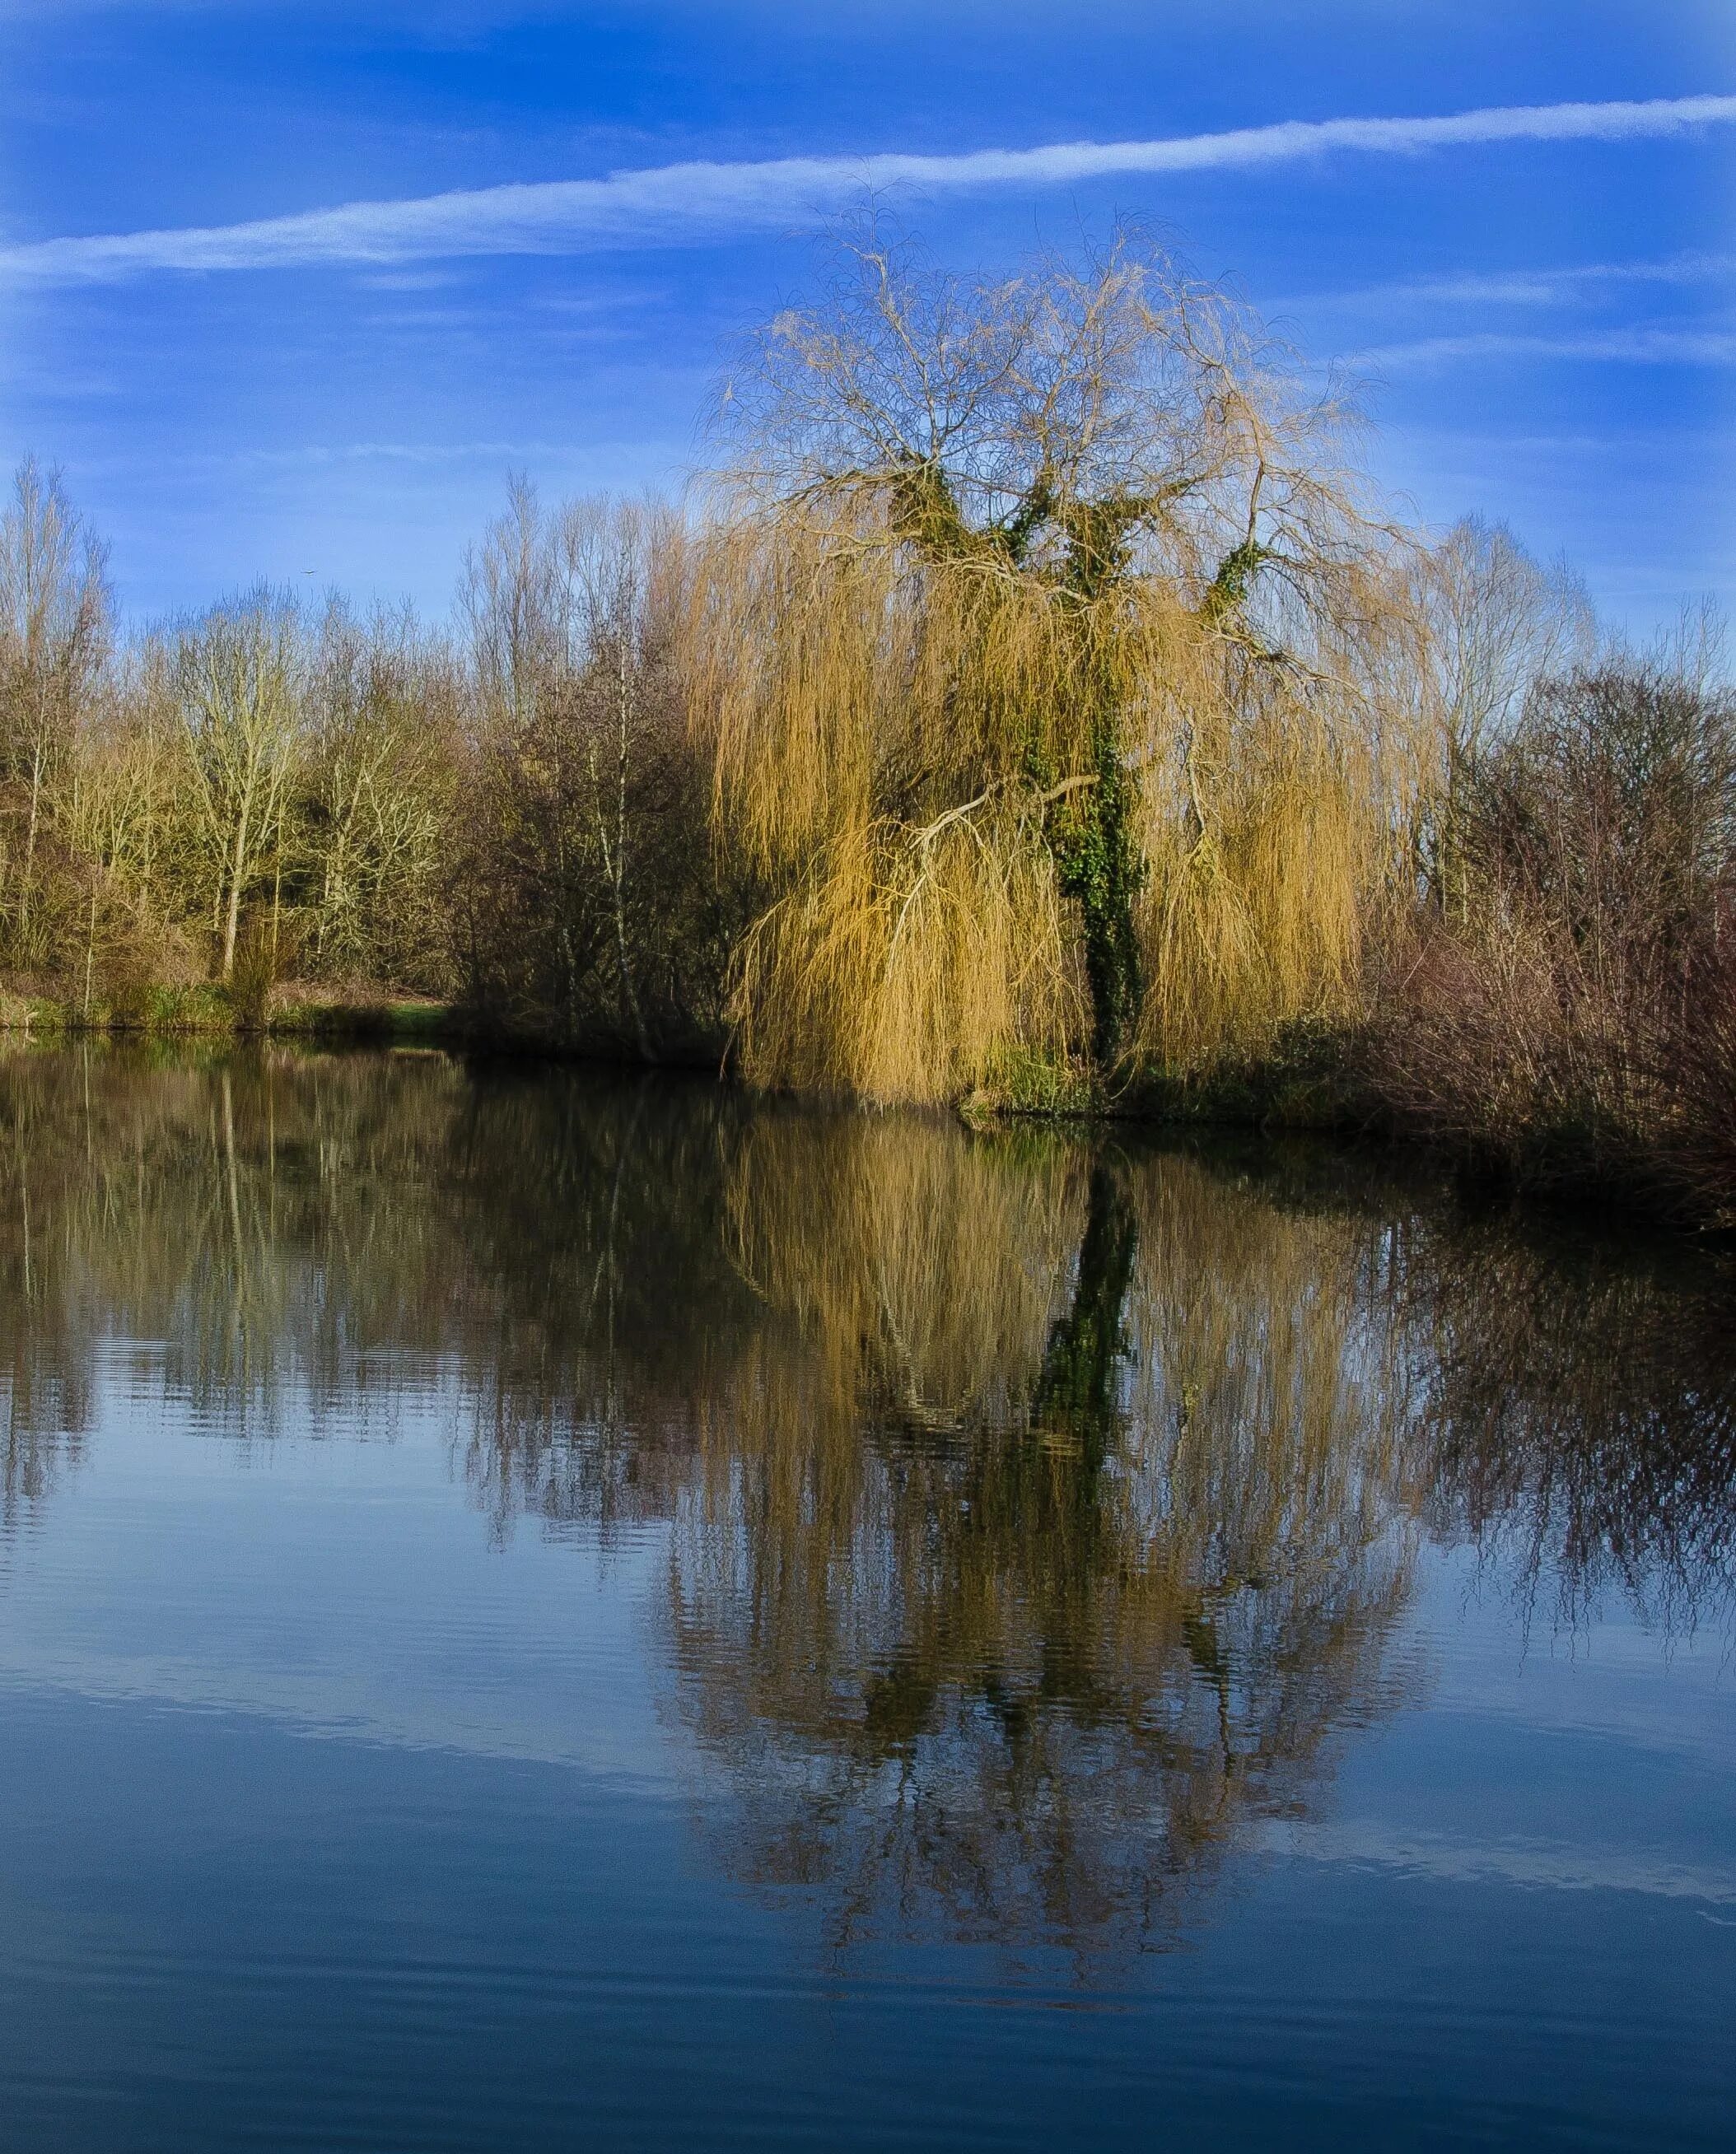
(1309, 1079)
(207, 1011)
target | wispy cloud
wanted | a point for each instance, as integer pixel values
(407, 280)
(1550, 286)
(324, 454)
(672, 204)
(1635, 347)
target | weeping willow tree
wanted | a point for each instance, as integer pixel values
(1039, 646)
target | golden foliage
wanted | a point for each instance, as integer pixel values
(1276, 829)
(907, 965)
(1047, 656)
(889, 734)
(882, 727)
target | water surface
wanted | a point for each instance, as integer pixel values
(538, 1611)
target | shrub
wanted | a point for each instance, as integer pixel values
(1568, 1012)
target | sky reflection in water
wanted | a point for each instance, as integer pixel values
(538, 1610)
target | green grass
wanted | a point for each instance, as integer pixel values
(1307, 1083)
(1024, 1083)
(409, 1023)
(162, 1010)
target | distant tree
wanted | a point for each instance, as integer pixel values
(1490, 622)
(374, 796)
(238, 677)
(54, 640)
(588, 894)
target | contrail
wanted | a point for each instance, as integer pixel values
(670, 205)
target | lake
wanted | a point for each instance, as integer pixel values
(545, 1609)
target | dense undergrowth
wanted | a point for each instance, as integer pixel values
(1037, 713)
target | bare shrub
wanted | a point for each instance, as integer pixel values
(586, 905)
(1699, 1058)
(1565, 1010)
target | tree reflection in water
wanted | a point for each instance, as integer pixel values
(1039, 1515)
(1065, 1548)
(1578, 1401)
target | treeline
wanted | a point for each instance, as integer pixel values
(1035, 706)
(262, 789)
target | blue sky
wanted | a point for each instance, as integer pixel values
(1544, 308)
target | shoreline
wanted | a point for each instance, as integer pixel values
(1313, 1093)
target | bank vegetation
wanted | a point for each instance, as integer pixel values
(1036, 710)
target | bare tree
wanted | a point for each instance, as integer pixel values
(580, 889)
(1488, 622)
(376, 790)
(238, 675)
(619, 558)
(517, 607)
(55, 638)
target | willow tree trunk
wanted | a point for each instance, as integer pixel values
(1097, 857)
(1100, 868)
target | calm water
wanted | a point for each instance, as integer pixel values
(542, 1612)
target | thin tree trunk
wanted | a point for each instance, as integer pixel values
(91, 952)
(237, 869)
(28, 884)
(277, 903)
(619, 877)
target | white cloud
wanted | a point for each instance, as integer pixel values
(408, 280)
(1634, 347)
(671, 204)
(1540, 287)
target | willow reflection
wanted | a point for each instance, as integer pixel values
(1038, 1515)
(1061, 1548)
